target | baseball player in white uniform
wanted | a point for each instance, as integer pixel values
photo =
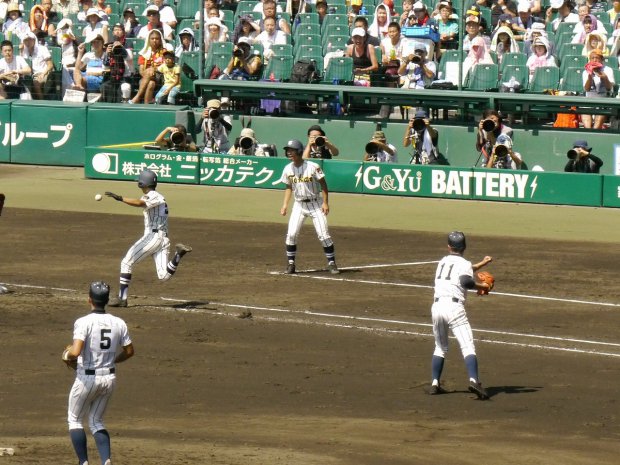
(100, 341)
(155, 240)
(454, 276)
(304, 180)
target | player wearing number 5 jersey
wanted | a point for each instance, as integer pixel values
(304, 181)
(100, 341)
(155, 240)
(454, 276)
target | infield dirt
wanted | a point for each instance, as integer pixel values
(327, 370)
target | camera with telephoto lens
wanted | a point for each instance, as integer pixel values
(501, 151)
(416, 59)
(238, 53)
(319, 141)
(214, 114)
(572, 154)
(177, 138)
(372, 148)
(488, 125)
(245, 143)
(419, 124)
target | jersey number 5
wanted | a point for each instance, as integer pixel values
(440, 273)
(106, 342)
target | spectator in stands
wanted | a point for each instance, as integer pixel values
(41, 61)
(293, 7)
(505, 21)
(246, 27)
(598, 82)
(614, 40)
(490, 127)
(13, 69)
(595, 41)
(166, 13)
(420, 15)
(246, 144)
(208, 5)
(582, 160)
(154, 22)
(130, 23)
(69, 50)
(269, 37)
(407, 8)
(51, 16)
(319, 146)
(589, 24)
(215, 32)
(448, 27)
(150, 58)
(379, 26)
(503, 156)
(564, 9)
(523, 22)
(501, 7)
(504, 42)
(321, 10)
(86, 5)
(269, 10)
(260, 7)
(361, 22)
(423, 139)
(378, 149)
(66, 7)
(392, 45)
(537, 30)
(472, 29)
(355, 10)
(187, 42)
(118, 63)
(177, 140)
(364, 58)
(14, 23)
(597, 6)
(243, 64)
(540, 56)
(95, 24)
(417, 71)
(479, 54)
(89, 69)
(172, 79)
(105, 9)
(38, 23)
(215, 128)
(613, 12)
(474, 10)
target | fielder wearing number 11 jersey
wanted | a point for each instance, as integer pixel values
(454, 276)
(304, 181)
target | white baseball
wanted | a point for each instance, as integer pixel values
(98, 197)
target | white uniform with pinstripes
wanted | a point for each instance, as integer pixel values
(103, 335)
(155, 241)
(448, 313)
(304, 182)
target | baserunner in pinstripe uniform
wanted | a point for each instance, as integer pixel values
(454, 276)
(305, 180)
(100, 341)
(155, 240)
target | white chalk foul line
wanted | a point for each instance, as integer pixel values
(381, 265)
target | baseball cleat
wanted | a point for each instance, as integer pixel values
(333, 269)
(182, 249)
(118, 303)
(290, 269)
(477, 389)
(435, 390)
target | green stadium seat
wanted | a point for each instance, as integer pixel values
(308, 18)
(220, 60)
(572, 80)
(343, 20)
(334, 30)
(307, 39)
(612, 62)
(483, 77)
(521, 73)
(570, 49)
(307, 28)
(220, 47)
(336, 43)
(340, 69)
(545, 78)
(190, 66)
(279, 68)
(603, 17)
(572, 61)
(258, 48)
(282, 50)
(314, 52)
(513, 58)
(244, 7)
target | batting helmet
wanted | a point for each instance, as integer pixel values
(99, 292)
(295, 145)
(456, 241)
(147, 179)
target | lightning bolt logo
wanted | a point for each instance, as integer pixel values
(534, 185)
(358, 175)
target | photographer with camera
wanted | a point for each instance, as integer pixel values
(319, 146)
(502, 156)
(423, 139)
(177, 140)
(379, 150)
(247, 144)
(118, 66)
(243, 64)
(490, 128)
(581, 160)
(215, 128)
(416, 71)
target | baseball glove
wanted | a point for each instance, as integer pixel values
(70, 362)
(2, 198)
(488, 278)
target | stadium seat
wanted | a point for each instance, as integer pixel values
(220, 47)
(314, 52)
(545, 78)
(572, 61)
(308, 18)
(521, 73)
(334, 30)
(340, 69)
(243, 7)
(343, 20)
(307, 28)
(279, 68)
(483, 77)
(335, 43)
(572, 80)
(515, 58)
(569, 49)
(282, 50)
(220, 60)
(612, 62)
(307, 39)
(190, 66)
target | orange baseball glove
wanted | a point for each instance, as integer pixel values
(488, 278)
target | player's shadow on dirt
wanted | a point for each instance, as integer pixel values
(495, 390)
(191, 304)
(326, 271)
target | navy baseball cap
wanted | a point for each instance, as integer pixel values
(582, 144)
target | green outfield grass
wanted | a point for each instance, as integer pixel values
(61, 188)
